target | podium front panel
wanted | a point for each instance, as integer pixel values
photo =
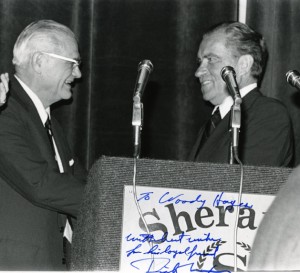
(97, 236)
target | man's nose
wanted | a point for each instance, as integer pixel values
(76, 72)
(201, 70)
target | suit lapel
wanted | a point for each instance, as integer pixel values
(34, 121)
(216, 146)
(37, 128)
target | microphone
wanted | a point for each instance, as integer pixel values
(145, 67)
(293, 78)
(228, 75)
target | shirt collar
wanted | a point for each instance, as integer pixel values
(225, 106)
(43, 113)
(245, 90)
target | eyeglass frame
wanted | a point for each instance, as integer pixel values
(76, 63)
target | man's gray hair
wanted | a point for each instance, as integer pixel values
(43, 35)
(244, 40)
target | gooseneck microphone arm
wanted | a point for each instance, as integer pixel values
(137, 120)
(228, 75)
(144, 69)
(235, 122)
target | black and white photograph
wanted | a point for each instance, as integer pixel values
(150, 136)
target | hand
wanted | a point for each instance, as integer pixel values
(3, 87)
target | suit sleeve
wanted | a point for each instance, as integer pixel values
(26, 168)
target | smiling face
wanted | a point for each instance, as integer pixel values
(58, 74)
(213, 55)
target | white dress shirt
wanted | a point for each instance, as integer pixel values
(225, 106)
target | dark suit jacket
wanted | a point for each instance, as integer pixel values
(34, 197)
(266, 135)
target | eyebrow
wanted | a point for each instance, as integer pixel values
(211, 55)
(207, 56)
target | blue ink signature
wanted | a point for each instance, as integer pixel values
(157, 250)
(143, 262)
(164, 199)
(143, 238)
(218, 200)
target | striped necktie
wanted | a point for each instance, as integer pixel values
(49, 133)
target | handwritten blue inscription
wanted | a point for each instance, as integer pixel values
(179, 199)
(165, 199)
(164, 254)
(157, 250)
(145, 195)
(145, 265)
(182, 238)
(219, 201)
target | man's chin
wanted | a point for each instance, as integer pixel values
(67, 94)
(205, 94)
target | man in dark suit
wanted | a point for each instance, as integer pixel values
(41, 184)
(266, 136)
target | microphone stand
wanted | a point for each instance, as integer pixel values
(234, 157)
(137, 121)
(235, 125)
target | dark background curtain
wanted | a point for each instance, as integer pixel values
(278, 21)
(115, 35)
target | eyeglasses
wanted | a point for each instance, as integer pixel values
(76, 63)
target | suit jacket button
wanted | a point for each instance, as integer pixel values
(63, 260)
(62, 229)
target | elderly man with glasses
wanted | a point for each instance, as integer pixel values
(41, 184)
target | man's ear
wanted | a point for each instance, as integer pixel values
(244, 64)
(37, 61)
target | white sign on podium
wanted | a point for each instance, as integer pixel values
(190, 230)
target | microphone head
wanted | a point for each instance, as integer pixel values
(227, 70)
(293, 77)
(145, 64)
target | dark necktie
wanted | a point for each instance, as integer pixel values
(211, 124)
(49, 133)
